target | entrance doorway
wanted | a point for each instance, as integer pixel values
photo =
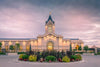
(50, 46)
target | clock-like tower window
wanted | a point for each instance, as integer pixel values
(49, 28)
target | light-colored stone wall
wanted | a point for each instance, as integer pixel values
(41, 43)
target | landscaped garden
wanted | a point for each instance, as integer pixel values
(50, 56)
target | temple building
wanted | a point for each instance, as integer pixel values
(48, 41)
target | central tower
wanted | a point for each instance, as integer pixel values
(50, 26)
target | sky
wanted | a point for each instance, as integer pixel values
(73, 19)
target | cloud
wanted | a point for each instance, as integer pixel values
(73, 18)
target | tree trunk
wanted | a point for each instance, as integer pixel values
(0, 49)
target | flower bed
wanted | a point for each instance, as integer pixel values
(49, 57)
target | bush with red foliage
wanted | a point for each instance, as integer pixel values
(59, 59)
(20, 58)
(25, 59)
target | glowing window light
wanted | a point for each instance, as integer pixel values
(47, 36)
(31, 42)
(64, 42)
(27, 48)
(3, 43)
(17, 42)
(10, 42)
(24, 43)
(46, 27)
(50, 47)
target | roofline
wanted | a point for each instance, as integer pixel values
(16, 38)
(72, 38)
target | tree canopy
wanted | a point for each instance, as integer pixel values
(0, 44)
(79, 48)
(18, 45)
(11, 47)
(86, 48)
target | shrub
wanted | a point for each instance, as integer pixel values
(73, 57)
(11, 47)
(25, 57)
(50, 58)
(32, 58)
(98, 53)
(79, 57)
(59, 59)
(66, 59)
(1, 53)
(21, 56)
(69, 53)
(41, 59)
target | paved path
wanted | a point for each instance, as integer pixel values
(10, 61)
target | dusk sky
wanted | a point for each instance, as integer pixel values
(73, 18)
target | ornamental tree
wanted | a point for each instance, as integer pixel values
(17, 46)
(86, 48)
(11, 47)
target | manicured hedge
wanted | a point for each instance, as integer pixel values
(21, 53)
(78, 52)
(98, 53)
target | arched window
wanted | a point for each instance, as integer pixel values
(50, 45)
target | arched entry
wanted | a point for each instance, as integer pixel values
(50, 45)
(77, 46)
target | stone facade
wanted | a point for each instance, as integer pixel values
(47, 41)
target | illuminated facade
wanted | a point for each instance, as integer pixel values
(47, 41)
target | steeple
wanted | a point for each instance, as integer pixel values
(50, 18)
(49, 25)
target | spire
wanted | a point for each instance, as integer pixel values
(50, 18)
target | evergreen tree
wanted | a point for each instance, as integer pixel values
(0, 44)
(79, 48)
(30, 47)
(17, 46)
(70, 47)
